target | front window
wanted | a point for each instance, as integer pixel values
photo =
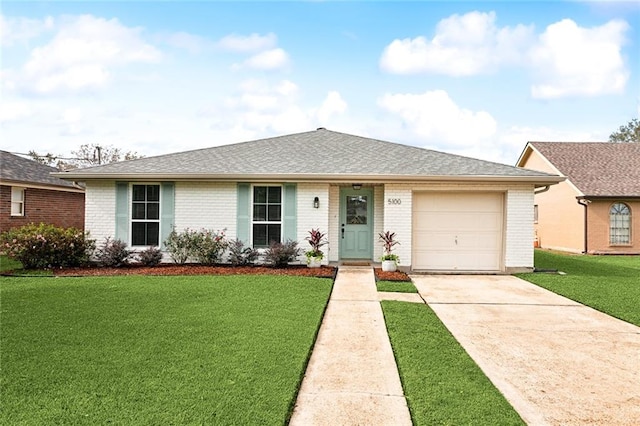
(267, 215)
(145, 215)
(17, 201)
(619, 224)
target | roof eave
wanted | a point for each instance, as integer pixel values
(303, 177)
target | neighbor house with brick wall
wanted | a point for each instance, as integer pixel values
(29, 194)
(450, 213)
(597, 208)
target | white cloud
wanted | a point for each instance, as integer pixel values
(251, 43)
(14, 111)
(268, 60)
(463, 45)
(332, 104)
(14, 30)
(82, 53)
(189, 42)
(570, 60)
(437, 120)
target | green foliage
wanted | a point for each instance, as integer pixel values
(280, 255)
(396, 286)
(209, 246)
(151, 256)
(46, 246)
(629, 133)
(180, 245)
(240, 255)
(142, 350)
(389, 241)
(204, 246)
(113, 253)
(441, 382)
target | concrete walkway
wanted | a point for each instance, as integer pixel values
(352, 377)
(556, 361)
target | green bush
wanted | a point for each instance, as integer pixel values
(280, 255)
(209, 246)
(180, 245)
(45, 246)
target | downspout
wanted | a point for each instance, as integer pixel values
(541, 190)
(584, 203)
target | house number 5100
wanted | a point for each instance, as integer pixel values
(394, 201)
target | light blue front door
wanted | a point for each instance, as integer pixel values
(356, 223)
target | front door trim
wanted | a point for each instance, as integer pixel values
(361, 247)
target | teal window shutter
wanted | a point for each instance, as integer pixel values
(167, 218)
(290, 217)
(122, 212)
(243, 220)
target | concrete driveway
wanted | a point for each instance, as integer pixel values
(555, 360)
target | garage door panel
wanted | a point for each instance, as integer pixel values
(458, 231)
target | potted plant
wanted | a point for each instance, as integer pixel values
(316, 240)
(389, 260)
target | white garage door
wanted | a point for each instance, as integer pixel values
(458, 231)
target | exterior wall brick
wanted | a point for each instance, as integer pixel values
(397, 218)
(100, 210)
(334, 223)
(519, 229)
(598, 228)
(310, 217)
(208, 205)
(60, 208)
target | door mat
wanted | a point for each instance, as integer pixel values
(356, 263)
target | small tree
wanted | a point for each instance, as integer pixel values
(628, 133)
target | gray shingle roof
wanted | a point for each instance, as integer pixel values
(316, 153)
(596, 168)
(20, 170)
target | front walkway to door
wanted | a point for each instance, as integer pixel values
(555, 360)
(352, 377)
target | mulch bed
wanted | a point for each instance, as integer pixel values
(192, 269)
(390, 276)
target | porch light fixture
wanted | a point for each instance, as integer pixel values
(357, 186)
(316, 203)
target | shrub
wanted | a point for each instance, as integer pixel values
(316, 240)
(151, 256)
(209, 246)
(240, 255)
(180, 246)
(113, 253)
(279, 255)
(47, 246)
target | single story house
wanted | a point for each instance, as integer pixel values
(30, 194)
(597, 208)
(450, 213)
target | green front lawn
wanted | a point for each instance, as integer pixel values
(156, 350)
(8, 264)
(442, 384)
(396, 286)
(610, 284)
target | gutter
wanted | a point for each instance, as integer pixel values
(584, 203)
(541, 190)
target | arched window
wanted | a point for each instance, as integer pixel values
(619, 224)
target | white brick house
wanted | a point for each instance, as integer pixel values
(450, 213)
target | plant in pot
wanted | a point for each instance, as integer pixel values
(389, 260)
(316, 240)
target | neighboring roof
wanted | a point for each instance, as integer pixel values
(598, 169)
(320, 154)
(15, 169)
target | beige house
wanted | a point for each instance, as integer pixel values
(597, 209)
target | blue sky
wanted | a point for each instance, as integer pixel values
(472, 78)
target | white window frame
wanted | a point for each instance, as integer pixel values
(132, 220)
(617, 235)
(17, 201)
(266, 222)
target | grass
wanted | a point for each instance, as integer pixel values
(396, 286)
(610, 284)
(156, 350)
(442, 384)
(8, 264)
